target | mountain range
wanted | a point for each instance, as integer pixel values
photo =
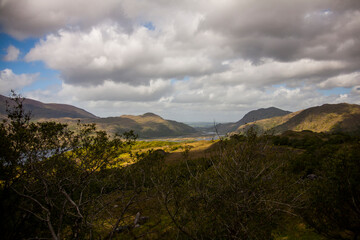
(341, 117)
(148, 125)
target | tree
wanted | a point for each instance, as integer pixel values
(333, 198)
(56, 182)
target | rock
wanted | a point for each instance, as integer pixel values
(311, 176)
(140, 220)
(137, 217)
(120, 229)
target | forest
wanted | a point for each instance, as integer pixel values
(61, 183)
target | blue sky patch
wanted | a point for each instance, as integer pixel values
(47, 76)
(334, 91)
(149, 25)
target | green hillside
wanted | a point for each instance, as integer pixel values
(148, 125)
(341, 117)
(255, 115)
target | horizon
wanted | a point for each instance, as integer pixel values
(195, 122)
(189, 61)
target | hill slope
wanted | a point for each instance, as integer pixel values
(255, 115)
(148, 125)
(48, 110)
(326, 118)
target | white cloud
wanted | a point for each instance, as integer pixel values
(12, 54)
(344, 80)
(111, 91)
(11, 81)
(183, 102)
(133, 58)
(270, 72)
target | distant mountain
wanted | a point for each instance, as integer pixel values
(148, 125)
(341, 117)
(255, 115)
(48, 110)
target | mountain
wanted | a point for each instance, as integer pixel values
(342, 117)
(48, 110)
(148, 125)
(255, 115)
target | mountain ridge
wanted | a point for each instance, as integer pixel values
(147, 125)
(254, 115)
(48, 110)
(342, 117)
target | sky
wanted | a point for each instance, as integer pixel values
(185, 60)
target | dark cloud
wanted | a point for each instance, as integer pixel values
(35, 18)
(289, 30)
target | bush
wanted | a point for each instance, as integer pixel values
(241, 192)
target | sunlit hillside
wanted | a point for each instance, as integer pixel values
(326, 118)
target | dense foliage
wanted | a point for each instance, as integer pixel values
(55, 182)
(332, 162)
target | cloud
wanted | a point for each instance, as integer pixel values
(182, 101)
(12, 54)
(301, 39)
(270, 72)
(288, 30)
(133, 58)
(11, 81)
(343, 80)
(34, 18)
(199, 59)
(112, 91)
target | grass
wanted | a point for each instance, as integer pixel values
(175, 150)
(294, 229)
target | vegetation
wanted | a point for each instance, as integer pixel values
(332, 162)
(55, 183)
(252, 116)
(147, 125)
(62, 184)
(341, 117)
